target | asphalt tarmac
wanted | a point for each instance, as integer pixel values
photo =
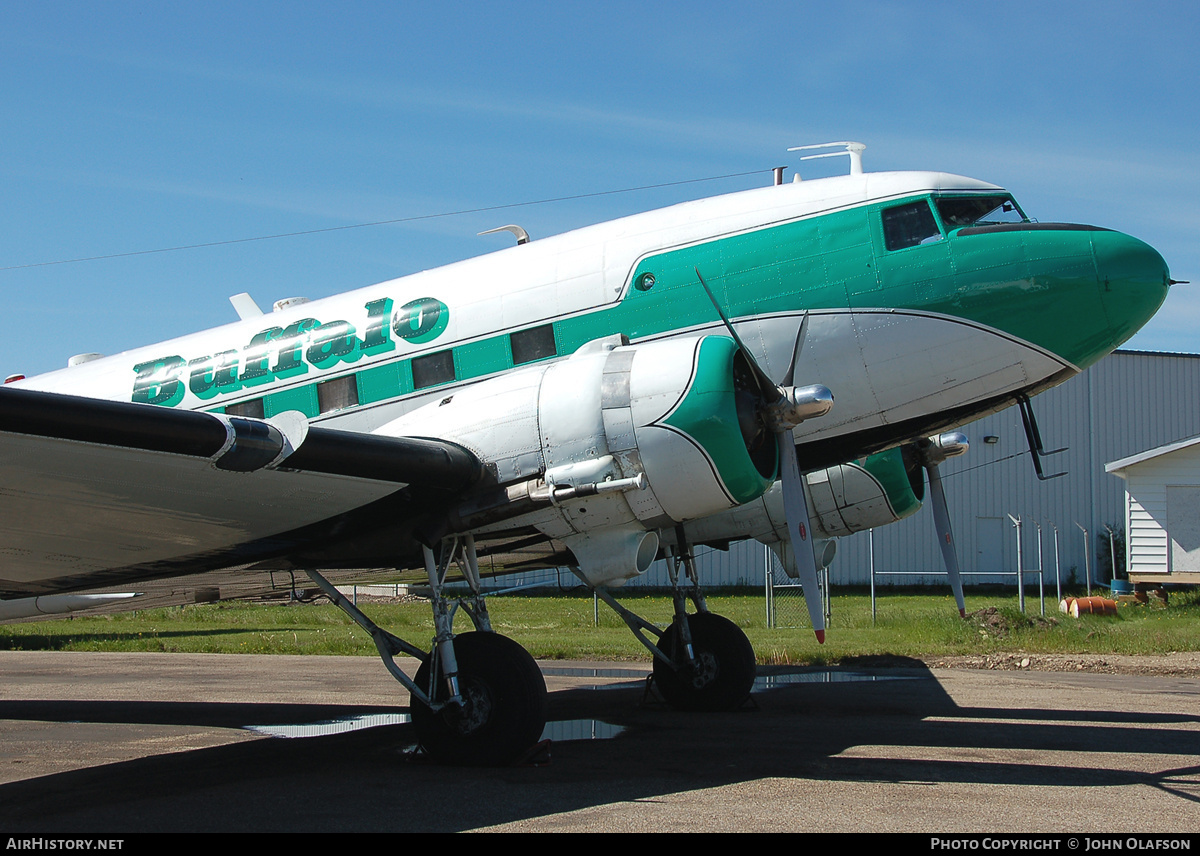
(181, 742)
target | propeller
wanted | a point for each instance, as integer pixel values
(782, 408)
(933, 451)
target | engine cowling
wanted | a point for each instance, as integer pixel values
(875, 491)
(674, 425)
(880, 489)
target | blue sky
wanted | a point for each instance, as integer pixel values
(132, 127)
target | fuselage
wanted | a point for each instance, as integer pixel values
(918, 299)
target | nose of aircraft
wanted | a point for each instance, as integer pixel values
(1133, 279)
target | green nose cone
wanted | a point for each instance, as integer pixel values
(1133, 280)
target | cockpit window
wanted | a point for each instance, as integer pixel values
(909, 225)
(959, 211)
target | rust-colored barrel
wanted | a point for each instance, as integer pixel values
(1093, 606)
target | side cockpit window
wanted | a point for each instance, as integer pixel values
(909, 225)
(959, 211)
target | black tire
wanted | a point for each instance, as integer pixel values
(504, 709)
(725, 667)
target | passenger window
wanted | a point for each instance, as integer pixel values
(909, 225)
(337, 394)
(252, 409)
(432, 369)
(533, 344)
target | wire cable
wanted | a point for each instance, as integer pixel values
(412, 219)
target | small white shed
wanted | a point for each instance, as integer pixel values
(1162, 512)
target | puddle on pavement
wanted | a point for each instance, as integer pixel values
(568, 729)
(329, 727)
(827, 676)
(560, 730)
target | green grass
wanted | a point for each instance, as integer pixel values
(563, 627)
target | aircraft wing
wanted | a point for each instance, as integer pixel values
(97, 493)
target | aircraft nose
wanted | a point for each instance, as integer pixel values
(1133, 279)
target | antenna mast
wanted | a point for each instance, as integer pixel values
(853, 149)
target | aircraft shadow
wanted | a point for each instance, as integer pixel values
(875, 730)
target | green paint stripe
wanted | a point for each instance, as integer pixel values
(835, 261)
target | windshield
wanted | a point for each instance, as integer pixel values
(959, 211)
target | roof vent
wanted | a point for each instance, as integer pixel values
(288, 303)
(80, 359)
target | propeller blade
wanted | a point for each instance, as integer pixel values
(795, 507)
(767, 386)
(790, 378)
(941, 520)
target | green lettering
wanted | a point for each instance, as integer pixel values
(376, 339)
(258, 355)
(158, 382)
(292, 340)
(421, 320)
(332, 342)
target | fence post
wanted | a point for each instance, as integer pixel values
(1020, 564)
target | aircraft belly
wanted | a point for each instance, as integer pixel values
(72, 508)
(891, 366)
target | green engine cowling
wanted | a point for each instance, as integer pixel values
(694, 425)
(604, 449)
(874, 491)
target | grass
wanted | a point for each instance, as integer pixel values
(563, 627)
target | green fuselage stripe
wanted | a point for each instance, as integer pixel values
(834, 261)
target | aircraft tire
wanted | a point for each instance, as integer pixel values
(725, 668)
(505, 704)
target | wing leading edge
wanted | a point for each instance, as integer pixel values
(97, 493)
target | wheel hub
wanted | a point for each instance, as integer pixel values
(475, 711)
(705, 670)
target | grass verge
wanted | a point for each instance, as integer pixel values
(564, 627)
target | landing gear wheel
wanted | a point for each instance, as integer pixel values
(504, 704)
(724, 672)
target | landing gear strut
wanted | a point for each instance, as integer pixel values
(478, 698)
(702, 661)
(503, 703)
(721, 672)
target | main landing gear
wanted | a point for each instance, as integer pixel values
(702, 661)
(720, 672)
(478, 698)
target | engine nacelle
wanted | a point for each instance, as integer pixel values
(673, 424)
(881, 489)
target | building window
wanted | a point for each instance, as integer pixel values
(533, 344)
(432, 369)
(337, 394)
(252, 409)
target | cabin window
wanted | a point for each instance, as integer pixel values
(337, 394)
(533, 344)
(959, 211)
(252, 409)
(909, 225)
(432, 369)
